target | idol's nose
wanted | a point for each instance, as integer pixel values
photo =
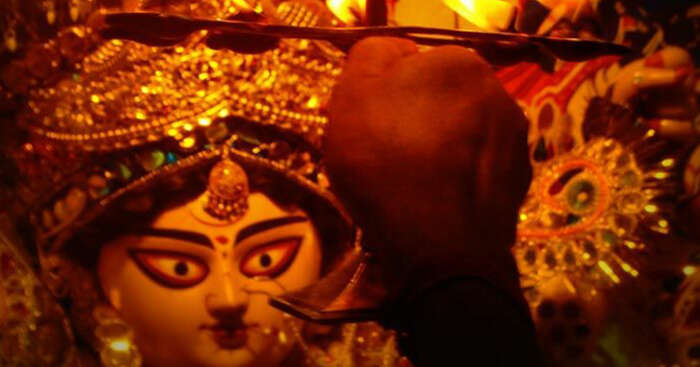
(228, 301)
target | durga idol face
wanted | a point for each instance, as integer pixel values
(196, 292)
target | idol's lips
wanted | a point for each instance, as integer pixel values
(229, 336)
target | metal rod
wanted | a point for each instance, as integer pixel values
(172, 27)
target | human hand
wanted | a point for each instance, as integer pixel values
(429, 153)
(663, 86)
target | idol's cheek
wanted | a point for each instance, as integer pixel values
(306, 268)
(149, 306)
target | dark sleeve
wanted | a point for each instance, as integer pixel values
(467, 322)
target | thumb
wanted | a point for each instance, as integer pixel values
(373, 56)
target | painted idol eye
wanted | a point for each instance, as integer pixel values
(270, 259)
(171, 269)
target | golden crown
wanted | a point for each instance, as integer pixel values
(129, 114)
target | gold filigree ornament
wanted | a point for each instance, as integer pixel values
(594, 214)
(227, 194)
(587, 213)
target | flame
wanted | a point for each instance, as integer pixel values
(244, 5)
(689, 270)
(491, 15)
(349, 11)
(120, 345)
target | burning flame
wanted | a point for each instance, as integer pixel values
(349, 11)
(120, 345)
(493, 15)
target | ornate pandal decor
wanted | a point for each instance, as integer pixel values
(360, 344)
(28, 314)
(592, 202)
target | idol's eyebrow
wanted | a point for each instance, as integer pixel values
(265, 225)
(178, 234)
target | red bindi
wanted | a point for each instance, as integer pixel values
(221, 239)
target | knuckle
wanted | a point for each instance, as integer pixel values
(372, 45)
(463, 58)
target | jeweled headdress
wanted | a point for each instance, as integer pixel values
(156, 111)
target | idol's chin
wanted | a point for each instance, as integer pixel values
(221, 357)
(219, 349)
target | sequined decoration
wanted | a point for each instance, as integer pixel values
(585, 211)
(35, 331)
(360, 345)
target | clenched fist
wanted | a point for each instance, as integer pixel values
(429, 153)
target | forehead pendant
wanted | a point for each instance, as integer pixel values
(227, 193)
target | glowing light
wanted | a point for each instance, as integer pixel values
(282, 337)
(651, 208)
(145, 89)
(313, 102)
(188, 142)
(346, 10)
(631, 245)
(223, 113)
(140, 115)
(188, 127)
(688, 270)
(660, 175)
(605, 267)
(668, 162)
(663, 223)
(486, 14)
(95, 98)
(523, 217)
(172, 132)
(650, 133)
(629, 269)
(204, 121)
(120, 345)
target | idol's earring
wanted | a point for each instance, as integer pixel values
(116, 339)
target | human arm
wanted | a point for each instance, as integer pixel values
(429, 153)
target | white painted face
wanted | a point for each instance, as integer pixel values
(196, 294)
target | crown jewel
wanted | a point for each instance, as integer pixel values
(227, 195)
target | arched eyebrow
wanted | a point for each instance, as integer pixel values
(265, 225)
(177, 234)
